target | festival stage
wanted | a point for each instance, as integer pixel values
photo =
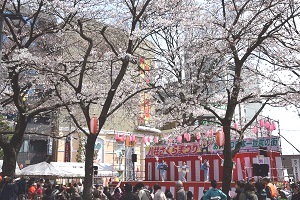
(196, 187)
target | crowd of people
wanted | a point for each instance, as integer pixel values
(33, 189)
(264, 189)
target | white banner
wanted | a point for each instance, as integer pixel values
(296, 169)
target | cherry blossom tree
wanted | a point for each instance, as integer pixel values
(100, 66)
(229, 53)
(25, 87)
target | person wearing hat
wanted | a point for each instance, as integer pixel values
(295, 191)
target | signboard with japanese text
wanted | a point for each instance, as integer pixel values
(189, 149)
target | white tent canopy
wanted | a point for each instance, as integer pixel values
(17, 167)
(74, 169)
(40, 169)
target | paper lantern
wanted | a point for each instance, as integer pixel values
(156, 139)
(170, 140)
(236, 126)
(188, 137)
(119, 138)
(149, 139)
(145, 139)
(179, 138)
(133, 138)
(261, 123)
(198, 136)
(220, 138)
(94, 125)
(255, 130)
(273, 126)
(267, 125)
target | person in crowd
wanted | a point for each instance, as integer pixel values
(117, 194)
(107, 193)
(21, 187)
(31, 190)
(48, 193)
(239, 188)
(142, 192)
(38, 192)
(158, 193)
(214, 192)
(204, 191)
(163, 167)
(180, 193)
(9, 190)
(128, 194)
(260, 191)
(75, 194)
(295, 190)
(98, 193)
(183, 170)
(205, 167)
(189, 195)
(80, 188)
(270, 188)
(248, 192)
(169, 194)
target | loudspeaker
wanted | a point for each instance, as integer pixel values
(134, 157)
(263, 151)
(260, 170)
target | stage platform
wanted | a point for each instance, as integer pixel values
(196, 187)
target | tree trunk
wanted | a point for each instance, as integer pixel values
(89, 158)
(9, 160)
(227, 168)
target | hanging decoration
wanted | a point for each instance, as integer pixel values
(267, 125)
(179, 138)
(220, 138)
(94, 125)
(156, 139)
(255, 130)
(198, 136)
(145, 139)
(261, 123)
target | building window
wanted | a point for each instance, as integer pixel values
(25, 146)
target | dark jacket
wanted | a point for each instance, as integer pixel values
(9, 192)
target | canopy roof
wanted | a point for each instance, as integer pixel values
(40, 169)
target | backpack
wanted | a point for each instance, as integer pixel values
(147, 192)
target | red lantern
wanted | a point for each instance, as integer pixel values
(220, 138)
(132, 138)
(94, 125)
(149, 139)
(170, 140)
(273, 126)
(255, 130)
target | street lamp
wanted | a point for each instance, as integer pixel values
(16, 19)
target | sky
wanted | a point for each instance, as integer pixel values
(289, 126)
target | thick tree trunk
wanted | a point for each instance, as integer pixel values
(227, 168)
(9, 160)
(89, 158)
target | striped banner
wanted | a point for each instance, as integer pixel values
(243, 170)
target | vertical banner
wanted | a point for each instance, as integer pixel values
(296, 169)
(50, 145)
(68, 149)
(145, 96)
